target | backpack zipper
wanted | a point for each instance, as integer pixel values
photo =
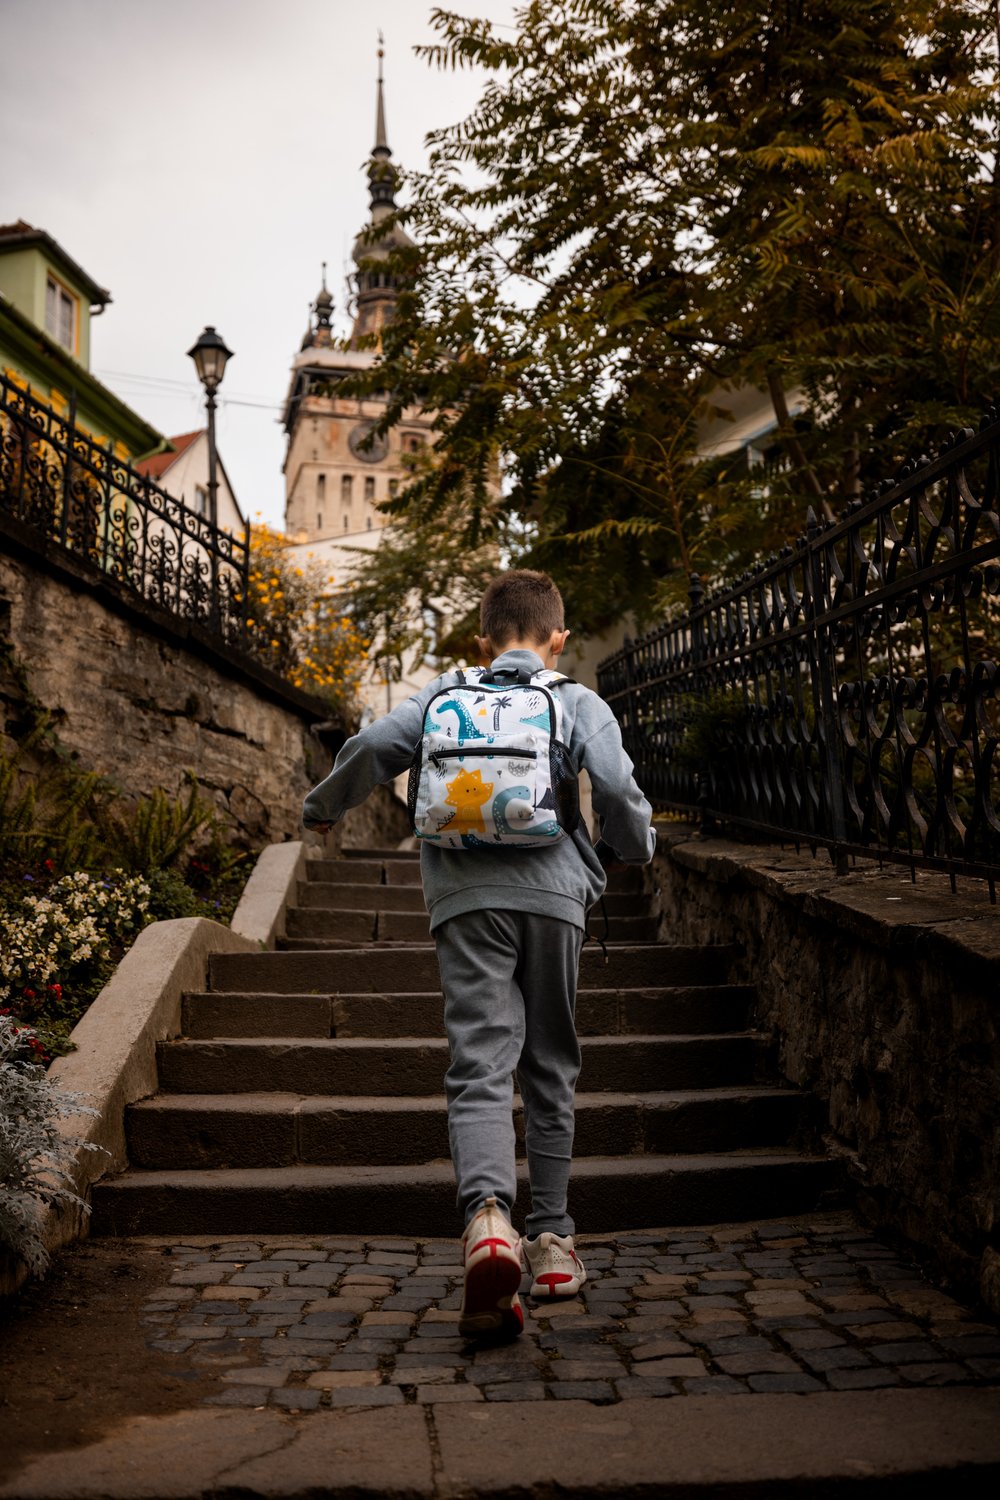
(439, 755)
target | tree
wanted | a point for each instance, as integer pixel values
(657, 199)
(299, 627)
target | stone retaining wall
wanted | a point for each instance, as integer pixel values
(883, 998)
(143, 698)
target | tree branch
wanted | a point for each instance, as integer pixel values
(790, 439)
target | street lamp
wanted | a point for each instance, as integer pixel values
(210, 355)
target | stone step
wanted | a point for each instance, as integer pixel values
(391, 856)
(413, 969)
(187, 1131)
(642, 1192)
(307, 928)
(377, 868)
(679, 1011)
(411, 1067)
(392, 872)
(333, 896)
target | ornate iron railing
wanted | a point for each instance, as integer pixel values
(845, 694)
(75, 494)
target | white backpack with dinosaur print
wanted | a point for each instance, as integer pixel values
(492, 770)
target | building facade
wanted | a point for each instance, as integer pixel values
(183, 473)
(47, 302)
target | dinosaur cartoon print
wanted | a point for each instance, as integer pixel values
(467, 727)
(500, 804)
(466, 793)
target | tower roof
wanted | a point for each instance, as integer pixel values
(377, 288)
(381, 137)
(319, 334)
(381, 172)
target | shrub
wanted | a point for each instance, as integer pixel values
(60, 949)
(35, 1157)
(155, 832)
(299, 627)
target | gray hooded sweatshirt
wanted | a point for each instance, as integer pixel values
(561, 880)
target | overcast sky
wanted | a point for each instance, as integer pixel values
(200, 159)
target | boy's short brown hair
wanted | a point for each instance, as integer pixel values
(521, 605)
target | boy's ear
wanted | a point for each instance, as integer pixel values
(557, 642)
(485, 647)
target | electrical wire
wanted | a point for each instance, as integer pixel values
(163, 385)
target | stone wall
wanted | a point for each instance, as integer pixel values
(140, 697)
(882, 997)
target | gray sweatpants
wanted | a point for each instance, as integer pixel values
(509, 981)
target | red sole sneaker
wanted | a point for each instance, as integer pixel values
(490, 1304)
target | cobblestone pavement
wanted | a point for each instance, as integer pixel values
(308, 1323)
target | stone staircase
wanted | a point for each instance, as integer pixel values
(305, 1095)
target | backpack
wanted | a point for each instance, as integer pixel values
(492, 770)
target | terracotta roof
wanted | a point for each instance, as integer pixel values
(155, 467)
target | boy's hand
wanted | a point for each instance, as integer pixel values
(608, 857)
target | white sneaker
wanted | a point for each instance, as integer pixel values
(492, 1257)
(556, 1269)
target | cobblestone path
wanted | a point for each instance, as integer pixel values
(805, 1306)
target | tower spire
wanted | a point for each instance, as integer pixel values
(381, 137)
(377, 286)
(381, 174)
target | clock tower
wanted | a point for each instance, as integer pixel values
(334, 479)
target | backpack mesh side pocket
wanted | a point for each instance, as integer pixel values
(565, 786)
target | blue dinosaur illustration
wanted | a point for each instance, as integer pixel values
(540, 721)
(500, 802)
(467, 727)
(543, 831)
(470, 841)
(546, 831)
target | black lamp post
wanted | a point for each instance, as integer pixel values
(210, 355)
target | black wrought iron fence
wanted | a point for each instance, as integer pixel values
(847, 693)
(74, 493)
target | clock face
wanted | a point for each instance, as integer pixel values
(372, 455)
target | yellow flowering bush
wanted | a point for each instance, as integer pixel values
(297, 624)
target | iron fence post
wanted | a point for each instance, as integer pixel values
(67, 486)
(827, 726)
(703, 778)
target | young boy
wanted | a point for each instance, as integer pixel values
(508, 924)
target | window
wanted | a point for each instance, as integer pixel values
(60, 314)
(347, 523)
(368, 523)
(393, 488)
(346, 486)
(201, 500)
(319, 520)
(321, 487)
(369, 488)
(414, 444)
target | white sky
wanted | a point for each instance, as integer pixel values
(200, 159)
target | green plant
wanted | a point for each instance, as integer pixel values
(153, 833)
(60, 948)
(36, 1157)
(47, 810)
